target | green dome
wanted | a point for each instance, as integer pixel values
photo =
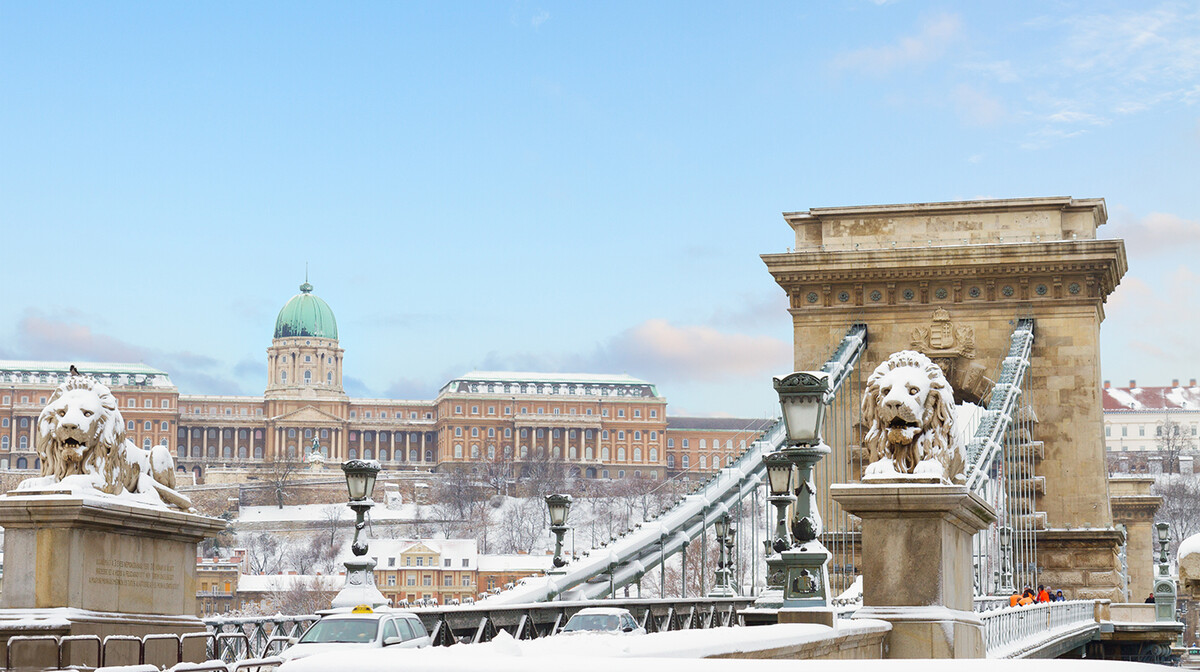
(306, 314)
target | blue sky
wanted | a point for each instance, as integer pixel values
(555, 186)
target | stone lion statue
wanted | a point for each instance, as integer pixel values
(82, 445)
(908, 408)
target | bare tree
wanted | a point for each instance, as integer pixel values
(1173, 439)
(1181, 501)
(264, 554)
(521, 526)
(314, 557)
(294, 595)
(332, 516)
(497, 471)
(279, 475)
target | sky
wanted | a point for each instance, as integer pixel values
(556, 186)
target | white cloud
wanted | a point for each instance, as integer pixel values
(934, 37)
(1152, 234)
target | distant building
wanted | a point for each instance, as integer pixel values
(599, 425)
(217, 584)
(1132, 415)
(437, 569)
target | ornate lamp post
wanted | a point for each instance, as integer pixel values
(560, 506)
(1006, 575)
(360, 577)
(779, 483)
(802, 396)
(722, 588)
(1164, 585)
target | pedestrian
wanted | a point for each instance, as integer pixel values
(1043, 595)
(1028, 598)
(1058, 596)
(1014, 598)
(1150, 600)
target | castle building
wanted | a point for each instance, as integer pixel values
(598, 425)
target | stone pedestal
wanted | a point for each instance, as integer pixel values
(78, 565)
(1085, 563)
(916, 567)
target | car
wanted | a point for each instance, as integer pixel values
(360, 628)
(603, 620)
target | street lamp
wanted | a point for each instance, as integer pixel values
(779, 482)
(723, 528)
(360, 576)
(560, 506)
(1006, 576)
(1164, 585)
(803, 396)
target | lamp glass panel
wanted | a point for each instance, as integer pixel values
(356, 483)
(558, 514)
(780, 478)
(803, 418)
(721, 526)
(1162, 531)
(369, 488)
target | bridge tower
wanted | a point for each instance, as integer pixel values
(949, 280)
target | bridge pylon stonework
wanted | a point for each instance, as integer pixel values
(950, 280)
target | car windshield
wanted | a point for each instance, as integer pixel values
(341, 630)
(595, 622)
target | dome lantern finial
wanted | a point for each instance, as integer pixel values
(306, 288)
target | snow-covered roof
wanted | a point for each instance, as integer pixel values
(683, 423)
(1189, 546)
(1177, 398)
(455, 550)
(23, 371)
(514, 563)
(277, 583)
(528, 382)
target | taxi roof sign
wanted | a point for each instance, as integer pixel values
(362, 609)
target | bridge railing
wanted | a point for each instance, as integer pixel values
(1011, 632)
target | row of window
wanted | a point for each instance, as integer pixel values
(420, 561)
(398, 415)
(716, 443)
(427, 580)
(557, 433)
(1179, 429)
(227, 452)
(541, 410)
(684, 461)
(307, 359)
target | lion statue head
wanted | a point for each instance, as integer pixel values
(82, 443)
(908, 408)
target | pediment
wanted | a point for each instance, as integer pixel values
(307, 414)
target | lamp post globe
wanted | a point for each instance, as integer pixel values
(559, 506)
(360, 478)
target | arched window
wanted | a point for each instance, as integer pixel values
(129, 425)
(258, 452)
(22, 463)
(703, 461)
(703, 444)
(23, 443)
(329, 378)
(181, 452)
(429, 455)
(242, 452)
(684, 461)
(524, 452)
(3, 443)
(308, 377)
(558, 452)
(475, 452)
(458, 451)
(637, 454)
(196, 471)
(587, 453)
(654, 455)
(227, 452)
(291, 433)
(291, 451)
(283, 377)
(637, 436)
(491, 452)
(196, 452)
(574, 453)
(308, 433)
(414, 455)
(620, 454)
(368, 454)
(353, 454)
(383, 454)
(604, 454)
(241, 433)
(670, 461)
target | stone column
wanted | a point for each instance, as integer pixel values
(917, 565)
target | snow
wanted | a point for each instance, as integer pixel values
(1188, 547)
(1124, 398)
(271, 583)
(647, 653)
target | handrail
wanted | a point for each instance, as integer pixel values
(986, 445)
(1012, 632)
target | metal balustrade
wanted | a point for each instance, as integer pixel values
(1015, 632)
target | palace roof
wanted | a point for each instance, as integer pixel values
(306, 314)
(1174, 398)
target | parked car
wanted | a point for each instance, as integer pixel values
(360, 628)
(603, 619)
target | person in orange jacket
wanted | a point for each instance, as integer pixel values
(1028, 598)
(1043, 594)
(1014, 598)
